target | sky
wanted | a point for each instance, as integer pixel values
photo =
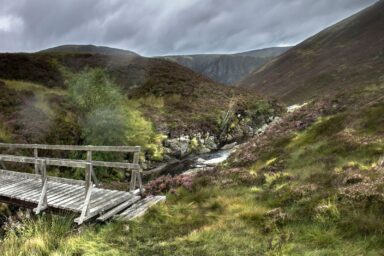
(167, 27)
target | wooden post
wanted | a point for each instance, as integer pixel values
(89, 159)
(140, 181)
(88, 193)
(132, 184)
(135, 174)
(85, 210)
(43, 201)
(88, 177)
(36, 155)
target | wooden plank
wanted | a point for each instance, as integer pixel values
(64, 190)
(134, 207)
(85, 210)
(77, 198)
(97, 196)
(140, 208)
(73, 147)
(28, 188)
(11, 187)
(13, 174)
(118, 209)
(67, 162)
(49, 161)
(17, 192)
(89, 159)
(105, 198)
(36, 155)
(69, 194)
(108, 205)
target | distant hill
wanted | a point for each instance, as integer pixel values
(346, 55)
(88, 49)
(228, 68)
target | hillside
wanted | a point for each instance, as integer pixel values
(173, 98)
(344, 56)
(73, 48)
(228, 68)
(312, 184)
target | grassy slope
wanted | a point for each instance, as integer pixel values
(346, 55)
(311, 185)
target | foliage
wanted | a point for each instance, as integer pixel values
(106, 116)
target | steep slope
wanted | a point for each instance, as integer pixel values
(88, 49)
(346, 55)
(228, 68)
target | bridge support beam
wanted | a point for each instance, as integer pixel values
(88, 193)
(43, 201)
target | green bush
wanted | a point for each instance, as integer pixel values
(106, 116)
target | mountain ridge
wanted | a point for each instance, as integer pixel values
(88, 48)
(344, 55)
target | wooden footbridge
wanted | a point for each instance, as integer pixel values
(84, 197)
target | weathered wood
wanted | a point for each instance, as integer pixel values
(43, 202)
(73, 147)
(68, 194)
(85, 209)
(139, 180)
(36, 155)
(132, 185)
(118, 209)
(139, 208)
(36, 176)
(106, 206)
(67, 162)
(89, 159)
(88, 177)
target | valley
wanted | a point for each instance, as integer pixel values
(278, 151)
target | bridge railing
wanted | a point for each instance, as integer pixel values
(42, 162)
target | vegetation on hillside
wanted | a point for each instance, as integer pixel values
(174, 98)
(312, 184)
(344, 56)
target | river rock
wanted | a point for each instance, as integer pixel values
(210, 143)
(179, 146)
(229, 146)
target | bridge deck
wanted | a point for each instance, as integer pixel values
(62, 194)
(83, 197)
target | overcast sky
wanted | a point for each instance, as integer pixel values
(159, 27)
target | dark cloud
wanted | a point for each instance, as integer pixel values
(158, 27)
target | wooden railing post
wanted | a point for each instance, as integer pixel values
(88, 176)
(88, 193)
(36, 155)
(136, 175)
(89, 159)
(43, 201)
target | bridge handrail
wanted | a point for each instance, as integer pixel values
(128, 149)
(42, 162)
